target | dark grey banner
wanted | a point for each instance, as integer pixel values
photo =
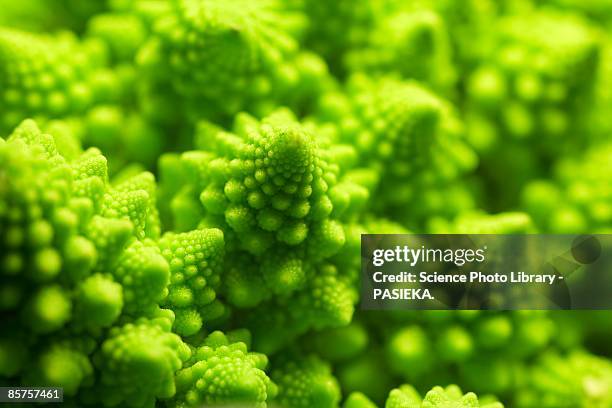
(31, 394)
(485, 271)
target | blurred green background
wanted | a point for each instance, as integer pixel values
(441, 116)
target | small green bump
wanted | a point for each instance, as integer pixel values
(299, 209)
(323, 207)
(214, 200)
(98, 301)
(14, 237)
(12, 263)
(293, 233)
(280, 202)
(57, 103)
(65, 367)
(487, 86)
(409, 352)
(256, 200)
(494, 331)
(188, 322)
(239, 217)
(40, 234)
(181, 297)
(455, 344)
(48, 310)
(528, 87)
(270, 220)
(13, 354)
(234, 191)
(358, 400)
(47, 264)
(79, 256)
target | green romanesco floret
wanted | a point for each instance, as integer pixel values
(196, 262)
(418, 346)
(123, 33)
(438, 397)
(326, 301)
(409, 351)
(63, 363)
(464, 22)
(134, 199)
(577, 380)
(358, 400)
(403, 397)
(137, 364)
(406, 396)
(338, 343)
(572, 204)
(347, 26)
(535, 74)
(143, 274)
(223, 371)
(219, 58)
(411, 139)
(117, 126)
(528, 98)
(413, 43)
(50, 76)
(305, 382)
(355, 375)
(275, 186)
(279, 199)
(75, 259)
(126, 136)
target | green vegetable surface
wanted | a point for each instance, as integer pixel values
(184, 184)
